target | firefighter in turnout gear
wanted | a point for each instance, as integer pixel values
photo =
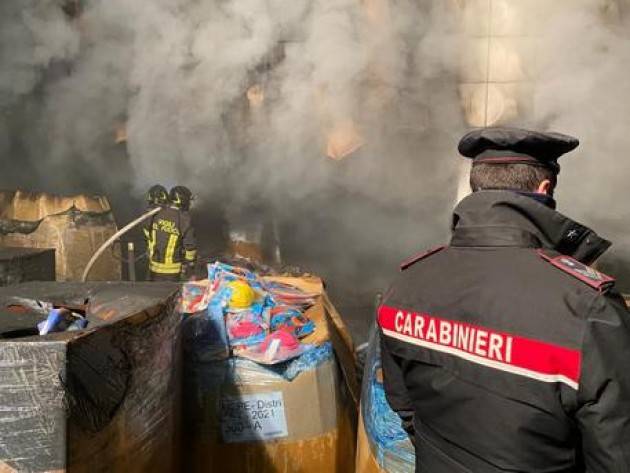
(504, 351)
(170, 239)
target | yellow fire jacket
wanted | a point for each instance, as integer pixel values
(170, 241)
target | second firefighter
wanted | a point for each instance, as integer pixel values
(170, 237)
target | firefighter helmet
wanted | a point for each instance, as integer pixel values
(157, 195)
(180, 197)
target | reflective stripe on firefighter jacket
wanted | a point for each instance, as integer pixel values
(504, 352)
(170, 241)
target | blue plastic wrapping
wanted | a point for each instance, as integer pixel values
(292, 318)
(388, 441)
(308, 361)
(218, 270)
(61, 320)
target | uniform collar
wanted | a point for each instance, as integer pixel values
(505, 218)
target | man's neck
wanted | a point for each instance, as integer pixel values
(544, 199)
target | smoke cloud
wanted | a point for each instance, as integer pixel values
(581, 88)
(246, 102)
(242, 101)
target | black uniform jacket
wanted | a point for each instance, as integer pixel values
(170, 241)
(501, 354)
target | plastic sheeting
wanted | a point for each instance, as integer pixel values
(388, 442)
(97, 400)
(242, 372)
(204, 337)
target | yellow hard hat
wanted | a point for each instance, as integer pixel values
(242, 295)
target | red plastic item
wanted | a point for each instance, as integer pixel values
(245, 329)
(287, 340)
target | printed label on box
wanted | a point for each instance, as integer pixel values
(251, 417)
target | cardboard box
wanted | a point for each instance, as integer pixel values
(19, 265)
(266, 424)
(243, 417)
(74, 226)
(105, 399)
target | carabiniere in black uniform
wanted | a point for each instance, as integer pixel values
(504, 351)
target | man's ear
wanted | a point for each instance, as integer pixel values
(544, 187)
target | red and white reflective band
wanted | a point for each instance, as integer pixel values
(499, 350)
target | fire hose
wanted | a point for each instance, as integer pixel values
(115, 237)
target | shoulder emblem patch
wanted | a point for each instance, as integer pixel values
(586, 274)
(420, 256)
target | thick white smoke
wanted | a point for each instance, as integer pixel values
(35, 42)
(582, 89)
(242, 100)
(34, 34)
(176, 74)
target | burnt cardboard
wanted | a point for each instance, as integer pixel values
(75, 226)
(19, 265)
(101, 399)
